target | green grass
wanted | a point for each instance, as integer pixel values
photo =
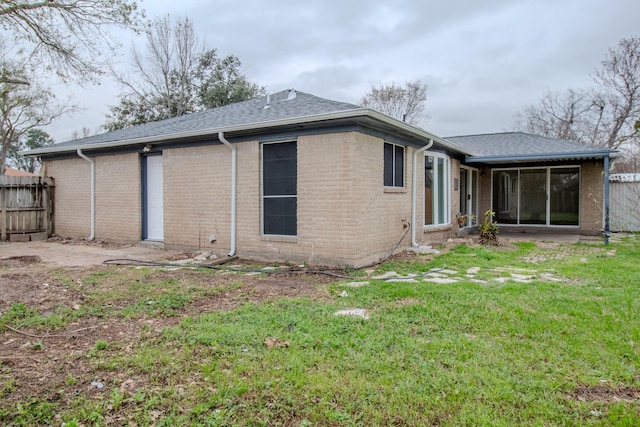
(465, 353)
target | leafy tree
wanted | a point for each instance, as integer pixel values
(66, 36)
(221, 81)
(176, 76)
(34, 138)
(604, 115)
(403, 103)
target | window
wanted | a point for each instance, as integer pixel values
(393, 165)
(279, 189)
(537, 196)
(437, 208)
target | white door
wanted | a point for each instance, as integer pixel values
(155, 215)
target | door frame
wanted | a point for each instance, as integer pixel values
(144, 169)
(471, 196)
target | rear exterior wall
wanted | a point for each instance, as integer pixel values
(117, 202)
(345, 216)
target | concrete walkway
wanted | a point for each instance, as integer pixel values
(81, 254)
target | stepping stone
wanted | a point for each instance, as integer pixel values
(448, 271)
(473, 270)
(521, 276)
(356, 284)
(354, 312)
(435, 275)
(402, 279)
(387, 275)
(440, 280)
(484, 282)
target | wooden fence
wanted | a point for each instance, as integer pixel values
(26, 207)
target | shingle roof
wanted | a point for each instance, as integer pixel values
(8, 171)
(283, 105)
(522, 146)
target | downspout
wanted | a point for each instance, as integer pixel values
(414, 183)
(234, 162)
(93, 194)
(607, 232)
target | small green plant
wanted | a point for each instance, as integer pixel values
(71, 380)
(101, 345)
(489, 230)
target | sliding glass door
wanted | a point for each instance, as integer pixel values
(537, 196)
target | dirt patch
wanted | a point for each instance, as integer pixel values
(19, 261)
(40, 290)
(606, 394)
(56, 363)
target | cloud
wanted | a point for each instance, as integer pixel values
(481, 60)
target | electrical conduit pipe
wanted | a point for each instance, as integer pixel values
(93, 194)
(414, 183)
(234, 162)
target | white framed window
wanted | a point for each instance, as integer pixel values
(393, 165)
(279, 189)
(437, 189)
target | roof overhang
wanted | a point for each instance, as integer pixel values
(543, 157)
(373, 118)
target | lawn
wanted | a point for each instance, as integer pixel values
(524, 334)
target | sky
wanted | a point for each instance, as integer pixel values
(482, 60)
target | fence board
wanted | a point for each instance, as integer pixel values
(25, 205)
(624, 203)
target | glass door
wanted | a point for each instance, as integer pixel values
(468, 197)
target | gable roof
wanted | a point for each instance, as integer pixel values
(524, 147)
(283, 110)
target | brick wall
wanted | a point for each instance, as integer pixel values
(345, 215)
(591, 198)
(197, 196)
(117, 197)
(71, 203)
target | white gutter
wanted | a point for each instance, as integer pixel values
(93, 194)
(414, 183)
(170, 138)
(234, 162)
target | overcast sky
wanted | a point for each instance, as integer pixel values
(482, 60)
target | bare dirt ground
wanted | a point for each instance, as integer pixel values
(45, 276)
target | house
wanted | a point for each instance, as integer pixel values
(292, 176)
(9, 171)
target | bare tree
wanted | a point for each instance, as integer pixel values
(67, 36)
(403, 103)
(176, 76)
(23, 106)
(564, 115)
(619, 79)
(606, 115)
(82, 133)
